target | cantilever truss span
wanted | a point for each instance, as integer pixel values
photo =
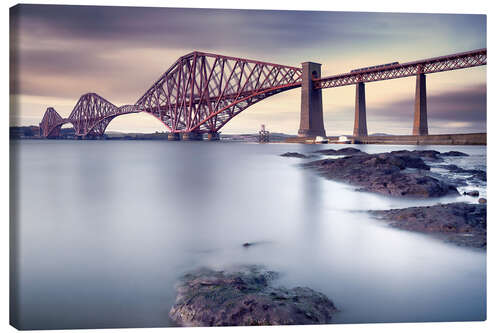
(51, 123)
(202, 91)
(90, 116)
(93, 113)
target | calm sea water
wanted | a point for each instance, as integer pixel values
(103, 229)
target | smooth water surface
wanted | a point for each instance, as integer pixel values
(103, 229)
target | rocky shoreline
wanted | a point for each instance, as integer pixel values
(397, 173)
(459, 223)
(406, 173)
(246, 296)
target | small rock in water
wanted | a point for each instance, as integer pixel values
(454, 153)
(343, 151)
(482, 200)
(247, 244)
(245, 297)
(472, 193)
(297, 155)
(429, 154)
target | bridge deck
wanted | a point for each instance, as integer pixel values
(432, 65)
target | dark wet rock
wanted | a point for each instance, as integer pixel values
(293, 154)
(343, 151)
(449, 167)
(326, 152)
(477, 174)
(429, 154)
(460, 223)
(350, 151)
(386, 173)
(454, 153)
(474, 193)
(246, 297)
(482, 201)
(249, 244)
(425, 154)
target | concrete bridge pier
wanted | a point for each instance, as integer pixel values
(360, 128)
(420, 116)
(173, 137)
(192, 136)
(311, 106)
(213, 136)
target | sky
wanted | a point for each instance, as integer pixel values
(59, 53)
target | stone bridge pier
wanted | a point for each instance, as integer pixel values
(420, 111)
(420, 116)
(213, 136)
(311, 105)
(360, 128)
(173, 137)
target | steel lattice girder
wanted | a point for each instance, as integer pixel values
(51, 123)
(93, 113)
(202, 91)
(90, 116)
(432, 65)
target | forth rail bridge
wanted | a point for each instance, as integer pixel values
(202, 92)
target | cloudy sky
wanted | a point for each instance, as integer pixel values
(62, 52)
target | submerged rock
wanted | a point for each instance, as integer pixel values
(342, 151)
(431, 154)
(427, 154)
(245, 297)
(385, 173)
(454, 153)
(248, 244)
(293, 154)
(460, 223)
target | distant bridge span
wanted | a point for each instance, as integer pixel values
(90, 117)
(201, 92)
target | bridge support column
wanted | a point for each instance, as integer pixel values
(173, 137)
(420, 116)
(192, 136)
(311, 105)
(213, 136)
(360, 128)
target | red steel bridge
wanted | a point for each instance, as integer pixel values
(201, 92)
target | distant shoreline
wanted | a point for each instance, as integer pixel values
(32, 133)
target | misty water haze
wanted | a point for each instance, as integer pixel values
(106, 228)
